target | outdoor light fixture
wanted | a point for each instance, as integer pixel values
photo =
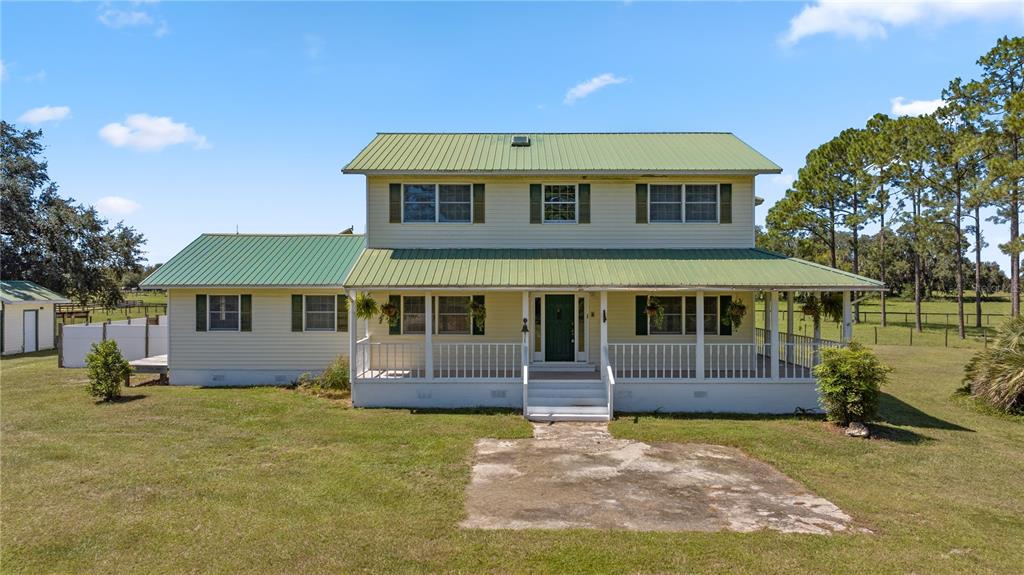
(526, 327)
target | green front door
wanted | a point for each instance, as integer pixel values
(558, 327)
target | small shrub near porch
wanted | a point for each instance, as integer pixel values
(107, 369)
(849, 380)
(333, 381)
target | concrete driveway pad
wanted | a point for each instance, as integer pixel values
(576, 475)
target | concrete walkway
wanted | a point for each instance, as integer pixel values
(576, 475)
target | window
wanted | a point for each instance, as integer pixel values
(673, 314)
(666, 203)
(453, 315)
(319, 312)
(710, 315)
(430, 203)
(702, 203)
(224, 312)
(560, 203)
(414, 314)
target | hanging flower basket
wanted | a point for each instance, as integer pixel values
(655, 311)
(366, 306)
(733, 314)
(478, 312)
(389, 313)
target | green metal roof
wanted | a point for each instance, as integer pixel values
(608, 268)
(19, 291)
(610, 153)
(260, 260)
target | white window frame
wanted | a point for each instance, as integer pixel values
(209, 312)
(401, 314)
(575, 209)
(334, 314)
(468, 314)
(682, 203)
(437, 202)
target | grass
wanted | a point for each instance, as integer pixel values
(271, 481)
(115, 314)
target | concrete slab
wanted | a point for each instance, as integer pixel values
(576, 475)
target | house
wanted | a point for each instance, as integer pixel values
(568, 275)
(28, 320)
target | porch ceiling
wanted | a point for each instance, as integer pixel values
(595, 268)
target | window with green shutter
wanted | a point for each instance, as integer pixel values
(296, 312)
(641, 203)
(200, 312)
(342, 306)
(724, 327)
(395, 203)
(725, 203)
(584, 203)
(536, 203)
(641, 315)
(479, 204)
(245, 301)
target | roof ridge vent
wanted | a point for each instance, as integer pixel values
(520, 141)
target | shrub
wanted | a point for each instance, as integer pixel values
(107, 368)
(333, 379)
(996, 375)
(848, 381)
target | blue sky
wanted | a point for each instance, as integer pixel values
(182, 118)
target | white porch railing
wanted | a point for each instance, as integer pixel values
(477, 360)
(389, 361)
(652, 361)
(736, 361)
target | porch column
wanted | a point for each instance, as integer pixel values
(428, 336)
(773, 322)
(789, 325)
(527, 341)
(603, 318)
(847, 319)
(353, 336)
(699, 360)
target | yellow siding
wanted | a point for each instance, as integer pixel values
(270, 345)
(613, 220)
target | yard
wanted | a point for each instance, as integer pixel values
(271, 480)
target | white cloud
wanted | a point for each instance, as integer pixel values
(116, 206)
(145, 132)
(584, 89)
(120, 18)
(45, 114)
(901, 107)
(37, 77)
(872, 19)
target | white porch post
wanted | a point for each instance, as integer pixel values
(847, 319)
(789, 325)
(603, 318)
(428, 336)
(699, 360)
(353, 336)
(526, 322)
(773, 320)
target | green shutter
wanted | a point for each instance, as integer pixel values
(725, 203)
(245, 318)
(479, 205)
(478, 299)
(536, 204)
(341, 308)
(641, 203)
(200, 312)
(690, 308)
(641, 315)
(296, 312)
(723, 305)
(396, 327)
(584, 202)
(395, 203)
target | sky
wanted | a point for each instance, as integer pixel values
(181, 118)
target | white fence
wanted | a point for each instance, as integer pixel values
(452, 361)
(135, 339)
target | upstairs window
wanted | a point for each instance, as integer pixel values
(692, 203)
(560, 203)
(430, 203)
(666, 203)
(702, 203)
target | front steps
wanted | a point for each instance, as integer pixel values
(567, 400)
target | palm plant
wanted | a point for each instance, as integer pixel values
(997, 374)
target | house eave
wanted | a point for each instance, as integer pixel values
(560, 173)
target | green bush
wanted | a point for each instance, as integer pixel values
(107, 369)
(333, 379)
(848, 381)
(996, 375)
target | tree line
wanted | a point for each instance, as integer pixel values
(53, 240)
(923, 181)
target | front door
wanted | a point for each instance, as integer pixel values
(31, 330)
(558, 327)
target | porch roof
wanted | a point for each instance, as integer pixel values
(595, 268)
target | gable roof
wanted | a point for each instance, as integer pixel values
(552, 153)
(260, 260)
(22, 291)
(606, 268)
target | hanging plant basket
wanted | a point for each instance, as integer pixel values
(366, 306)
(478, 312)
(655, 311)
(733, 314)
(389, 313)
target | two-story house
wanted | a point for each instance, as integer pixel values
(570, 275)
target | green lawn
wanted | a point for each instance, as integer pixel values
(275, 481)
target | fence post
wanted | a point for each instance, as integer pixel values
(146, 352)
(60, 345)
(876, 335)
(105, 330)
(947, 335)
